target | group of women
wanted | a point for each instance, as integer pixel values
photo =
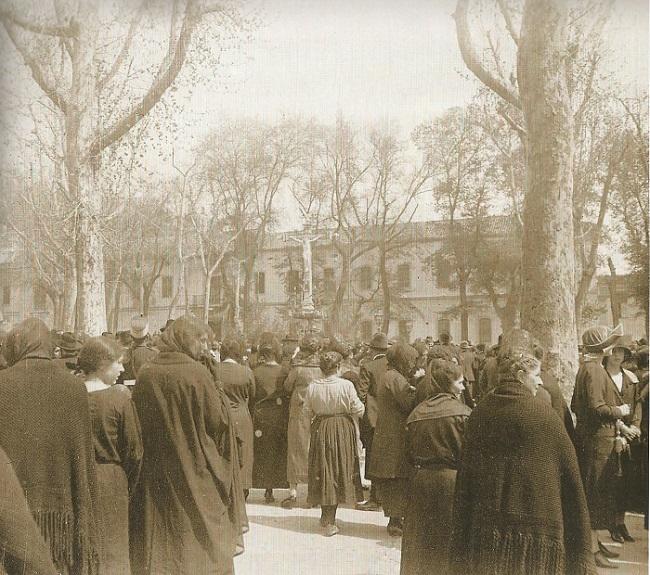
(148, 483)
(156, 481)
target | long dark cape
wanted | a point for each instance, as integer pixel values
(520, 507)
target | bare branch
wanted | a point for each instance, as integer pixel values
(37, 73)
(472, 61)
(505, 12)
(69, 31)
(159, 86)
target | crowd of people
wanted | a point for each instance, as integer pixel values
(136, 453)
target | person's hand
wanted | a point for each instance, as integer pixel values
(625, 409)
(632, 432)
(419, 373)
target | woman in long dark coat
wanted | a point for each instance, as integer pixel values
(118, 447)
(180, 513)
(270, 410)
(47, 435)
(331, 403)
(388, 465)
(519, 505)
(238, 383)
(598, 406)
(435, 431)
(626, 384)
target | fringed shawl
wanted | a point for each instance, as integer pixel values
(520, 507)
(45, 430)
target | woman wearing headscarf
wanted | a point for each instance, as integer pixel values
(305, 369)
(238, 384)
(270, 410)
(434, 439)
(519, 505)
(46, 433)
(118, 447)
(180, 514)
(331, 403)
(388, 465)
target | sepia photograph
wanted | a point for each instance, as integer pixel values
(324, 287)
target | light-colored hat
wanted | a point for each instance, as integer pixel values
(600, 337)
(464, 345)
(139, 327)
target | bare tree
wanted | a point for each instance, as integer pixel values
(539, 91)
(87, 91)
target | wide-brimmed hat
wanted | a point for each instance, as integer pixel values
(70, 343)
(464, 345)
(379, 341)
(600, 337)
(139, 327)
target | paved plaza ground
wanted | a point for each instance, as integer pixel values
(290, 542)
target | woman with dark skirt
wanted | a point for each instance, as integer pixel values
(388, 465)
(331, 403)
(118, 447)
(182, 512)
(434, 440)
(270, 411)
(238, 383)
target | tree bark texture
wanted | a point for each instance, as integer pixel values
(548, 256)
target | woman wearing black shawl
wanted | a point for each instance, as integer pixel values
(45, 431)
(519, 506)
(180, 514)
(434, 441)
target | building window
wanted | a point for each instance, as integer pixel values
(260, 282)
(329, 283)
(366, 330)
(294, 285)
(485, 330)
(6, 295)
(404, 276)
(443, 272)
(443, 326)
(365, 277)
(39, 297)
(167, 287)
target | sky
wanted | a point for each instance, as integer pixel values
(379, 62)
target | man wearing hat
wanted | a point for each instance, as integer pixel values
(599, 407)
(370, 374)
(69, 346)
(140, 351)
(467, 363)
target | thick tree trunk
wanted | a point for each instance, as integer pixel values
(341, 290)
(548, 304)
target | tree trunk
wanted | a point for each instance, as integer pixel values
(341, 290)
(385, 288)
(548, 304)
(464, 315)
(207, 288)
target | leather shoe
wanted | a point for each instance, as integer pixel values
(603, 562)
(289, 503)
(615, 534)
(369, 505)
(331, 530)
(623, 532)
(607, 552)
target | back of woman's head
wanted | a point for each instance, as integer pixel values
(96, 352)
(444, 373)
(509, 366)
(402, 357)
(30, 338)
(231, 349)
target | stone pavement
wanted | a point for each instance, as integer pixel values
(290, 542)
